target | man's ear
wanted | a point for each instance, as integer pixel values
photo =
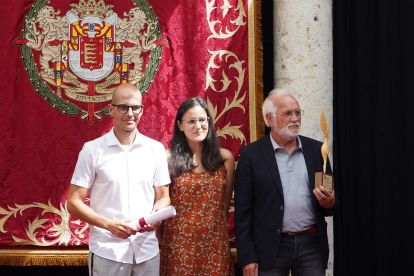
(270, 119)
(111, 109)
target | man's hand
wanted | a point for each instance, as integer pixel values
(121, 229)
(162, 200)
(151, 227)
(325, 198)
(251, 269)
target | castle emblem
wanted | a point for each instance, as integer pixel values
(75, 61)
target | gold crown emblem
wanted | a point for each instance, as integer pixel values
(91, 8)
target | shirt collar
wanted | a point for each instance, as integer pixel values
(276, 146)
(113, 141)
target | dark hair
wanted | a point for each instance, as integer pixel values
(181, 155)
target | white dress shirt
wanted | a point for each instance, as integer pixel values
(121, 185)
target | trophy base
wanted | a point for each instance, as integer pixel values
(325, 180)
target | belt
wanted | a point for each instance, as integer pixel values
(312, 229)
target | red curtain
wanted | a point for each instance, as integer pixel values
(56, 83)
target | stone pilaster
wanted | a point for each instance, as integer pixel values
(303, 64)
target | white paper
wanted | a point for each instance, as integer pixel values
(160, 215)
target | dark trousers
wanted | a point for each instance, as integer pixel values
(299, 254)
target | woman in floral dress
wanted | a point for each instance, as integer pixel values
(195, 241)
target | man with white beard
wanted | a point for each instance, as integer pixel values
(279, 216)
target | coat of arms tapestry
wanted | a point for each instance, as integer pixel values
(61, 61)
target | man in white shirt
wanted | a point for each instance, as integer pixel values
(126, 174)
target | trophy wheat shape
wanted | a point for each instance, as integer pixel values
(325, 147)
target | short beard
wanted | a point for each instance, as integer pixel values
(286, 134)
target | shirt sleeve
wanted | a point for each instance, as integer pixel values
(84, 173)
(161, 176)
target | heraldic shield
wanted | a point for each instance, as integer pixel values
(91, 50)
(91, 46)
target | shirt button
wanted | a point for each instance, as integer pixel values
(278, 231)
(281, 208)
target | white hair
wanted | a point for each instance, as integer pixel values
(269, 103)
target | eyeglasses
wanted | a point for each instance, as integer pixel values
(192, 121)
(123, 108)
(289, 114)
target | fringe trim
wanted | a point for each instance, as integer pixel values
(44, 260)
(53, 260)
(41, 257)
(260, 126)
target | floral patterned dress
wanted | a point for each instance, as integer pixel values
(195, 240)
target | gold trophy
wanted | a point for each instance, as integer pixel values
(322, 178)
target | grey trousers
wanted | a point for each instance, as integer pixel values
(99, 266)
